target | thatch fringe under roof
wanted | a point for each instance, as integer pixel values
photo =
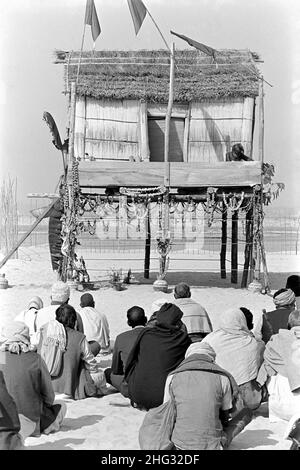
(144, 74)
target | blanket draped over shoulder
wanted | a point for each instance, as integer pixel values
(156, 352)
(158, 424)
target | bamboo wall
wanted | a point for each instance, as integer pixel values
(215, 127)
(107, 129)
(118, 129)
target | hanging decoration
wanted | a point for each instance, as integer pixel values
(233, 201)
(211, 204)
(163, 249)
(71, 268)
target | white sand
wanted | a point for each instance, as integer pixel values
(109, 422)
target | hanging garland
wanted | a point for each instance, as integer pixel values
(211, 204)
(233, 201)
(143, 192)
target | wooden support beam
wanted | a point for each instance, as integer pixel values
(26, 235)
(234, 247)
(44, 195)
(116, 173)
(186, 135)
(223, 242)
(144, 139)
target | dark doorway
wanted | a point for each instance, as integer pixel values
(156, 132)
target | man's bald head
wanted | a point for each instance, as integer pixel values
(87, 300)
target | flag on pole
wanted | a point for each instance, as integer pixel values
(138, 12)
(198, 45)
(91, 18)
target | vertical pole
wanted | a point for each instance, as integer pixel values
(248, 247)
(167, 141)
(79, 62)
(260, 209)
(166, 213)
(147, 245)
(234, 247)
(223, 242)
(256, 236)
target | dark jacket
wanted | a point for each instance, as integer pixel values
(274, 321)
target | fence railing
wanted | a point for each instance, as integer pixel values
(191, 237)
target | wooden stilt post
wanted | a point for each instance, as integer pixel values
(234, 247)
(223, 242)
(147, 245)
(248, 248)
(256, 235)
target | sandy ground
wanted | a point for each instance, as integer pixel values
(109, 422)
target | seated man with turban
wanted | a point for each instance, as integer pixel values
(29, 317)
(284, 300)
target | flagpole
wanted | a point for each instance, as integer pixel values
(82, 42)
(166, 218)
(157, 27)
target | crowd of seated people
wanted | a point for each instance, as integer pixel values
(215, 376)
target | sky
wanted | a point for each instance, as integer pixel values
(30, 30)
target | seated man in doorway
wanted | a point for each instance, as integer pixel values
(137, 320)
(195, 317)
(237, 154)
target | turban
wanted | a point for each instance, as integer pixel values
(15, 337)
(284, 298)
(201, 347)
(60, 292)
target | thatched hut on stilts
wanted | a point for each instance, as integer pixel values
(117, 116)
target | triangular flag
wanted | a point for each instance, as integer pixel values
(198, 45)
(91, 18)
(138, 12)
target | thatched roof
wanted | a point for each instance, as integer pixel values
(145, 74)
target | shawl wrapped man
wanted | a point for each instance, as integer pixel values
(237, 350)
(205, 394)
(157, 351)
(28, 380)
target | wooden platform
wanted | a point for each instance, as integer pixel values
(100, 174)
